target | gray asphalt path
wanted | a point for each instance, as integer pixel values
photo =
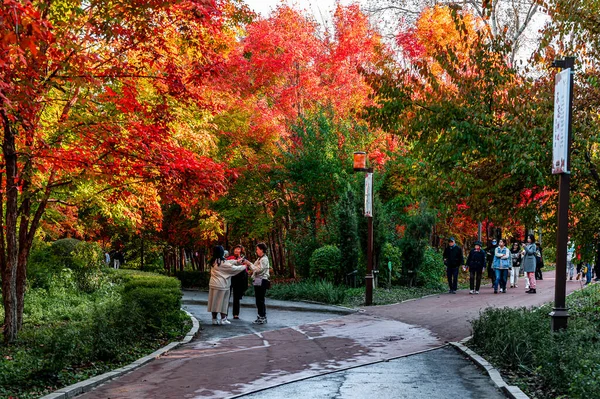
(277, 319)
(442, 373)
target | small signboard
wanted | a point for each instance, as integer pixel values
(369, 195)
(560, 146)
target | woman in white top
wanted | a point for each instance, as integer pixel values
(220, 282)
(260, 281)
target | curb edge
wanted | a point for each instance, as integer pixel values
(91, 383)
(511, 391)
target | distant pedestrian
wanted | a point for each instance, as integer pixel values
(570, 260)
(476, 264)
(453, 259)
(220, 281)
(490, 260)
(107, 258)
(588, 273)
(529, 262)
(239, 282)
(260, 281)
(539, 263)
(502, 264)
(118, 259)
(515, 253)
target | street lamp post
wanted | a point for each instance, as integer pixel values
(360, 165)
(561, 165)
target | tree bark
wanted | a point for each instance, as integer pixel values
(9, 268)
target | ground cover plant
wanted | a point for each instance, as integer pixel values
(326, 292)
(544, 364)
(70, 334)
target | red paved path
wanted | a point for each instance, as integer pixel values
(247, 363)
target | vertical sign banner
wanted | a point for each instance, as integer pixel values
(369, 195)
(560, 143)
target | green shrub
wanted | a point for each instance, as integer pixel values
(317, 291)
(67, 331)
(391, 253)
(432, 270)
(325, 264)
(193, 279)
(156, 297)
(47, 261)
(565, 364)
(414, 245)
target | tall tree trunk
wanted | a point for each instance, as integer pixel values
(9, 268)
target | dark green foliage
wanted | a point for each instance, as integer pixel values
(349, 242)
(48, 261)
(193, 279)
(69, 334)
(301, 245)
(391, 254)
(414, 244)
(326, 292)
(551, 365)
(325, 264)
(432, 270)
(316, 291)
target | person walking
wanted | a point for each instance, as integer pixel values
(529, 262)
(570, 260)
(502, 264)
(515, 254)
(260, 281)
(220, 281)
(490, 260)
(539, 263)
(453, 259)
(476, 263)
(239, 282)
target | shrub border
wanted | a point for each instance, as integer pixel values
(511, 391)
(91, 383)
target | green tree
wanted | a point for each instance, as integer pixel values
(349, 242)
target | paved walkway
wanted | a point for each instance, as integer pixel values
(240, 359)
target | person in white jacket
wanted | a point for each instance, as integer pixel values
(220, 282)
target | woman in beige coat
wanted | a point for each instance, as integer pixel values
(220, 282)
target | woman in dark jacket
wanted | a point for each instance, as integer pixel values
(476, 264)
(239, 282)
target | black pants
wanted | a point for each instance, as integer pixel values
(259, 294)
(452, 274)
(237, 297)
(538, 273)
(491, 274)
(475, 279)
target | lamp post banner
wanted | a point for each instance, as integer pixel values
(369, 195)
(562, 89)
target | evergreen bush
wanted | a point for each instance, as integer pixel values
(325, 264)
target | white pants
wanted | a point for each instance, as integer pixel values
(514, 276)
(117, 264)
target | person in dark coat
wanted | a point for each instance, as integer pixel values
(490, 251)
(453, 259)
(239, 282)
(476, 263)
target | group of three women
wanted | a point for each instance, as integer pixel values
(505, 262)
(236, 267)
